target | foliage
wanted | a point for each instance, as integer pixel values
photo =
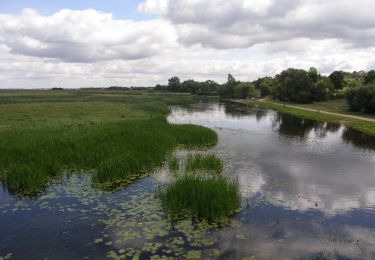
(294, 85)
(214, 198)
(370, 77)
(337, 78)
(203, 163)
(120, 138)
(362, 98)
(322, 90)
(208, 87)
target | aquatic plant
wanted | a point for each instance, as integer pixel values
(204, 163)
(174, 164)
(212, 198)
(120, 138)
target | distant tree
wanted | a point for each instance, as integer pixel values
(244, 90)
(362, 98)
(265, 85)
(323, 89)
(314, 74)
(294, 85)
(370, 77)
(174, 84)
(337, 78)
(228, 89)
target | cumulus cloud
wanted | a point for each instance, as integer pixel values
(190, 39)
(244, 23)
(84, 36)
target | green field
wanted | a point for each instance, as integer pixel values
(117, 136)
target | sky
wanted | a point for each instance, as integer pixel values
(100, 43)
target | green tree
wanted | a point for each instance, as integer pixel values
(323, 89)
(337, 78)
(174, 84)
(370, 77)
(314, 74)
(294, 85)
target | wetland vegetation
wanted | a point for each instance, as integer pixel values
(117, 137)
(290, 187)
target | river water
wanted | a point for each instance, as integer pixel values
(308, 193)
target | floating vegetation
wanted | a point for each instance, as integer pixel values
(215, 198)
(204, 163)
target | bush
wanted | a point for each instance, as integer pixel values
(362, 98)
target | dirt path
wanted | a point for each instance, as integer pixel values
(317, 111)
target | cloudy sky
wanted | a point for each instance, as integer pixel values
(95, 43)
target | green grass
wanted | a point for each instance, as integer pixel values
(174, 164)
(214, 199)
(118, 136)
(203, 163)
(363, 126)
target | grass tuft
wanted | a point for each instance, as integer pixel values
(214, 199)
(174, 164)
(204, 163)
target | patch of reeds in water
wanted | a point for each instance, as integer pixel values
(213, 198)
(204, 163)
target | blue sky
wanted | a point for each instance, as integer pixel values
(121, 9)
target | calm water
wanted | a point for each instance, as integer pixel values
(308, 192)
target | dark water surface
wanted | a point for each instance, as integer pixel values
(308, 193)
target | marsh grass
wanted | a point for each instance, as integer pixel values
(214, 199)
(174, 164)
(117, 137)
(204, 163)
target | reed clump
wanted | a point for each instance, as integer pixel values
(204, 163)
(212, 198)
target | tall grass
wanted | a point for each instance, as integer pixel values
(119, 142)
(214, 199)
(174, 164)
(203, 163)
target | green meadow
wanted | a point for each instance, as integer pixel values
(117, 136)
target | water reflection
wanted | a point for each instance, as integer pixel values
(308, 188)
(306, 165)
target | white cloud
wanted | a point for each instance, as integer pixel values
(191, 39)
(84, 36)
(244, 23)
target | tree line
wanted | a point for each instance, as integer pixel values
(291, 85)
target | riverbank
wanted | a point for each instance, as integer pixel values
(360, 123)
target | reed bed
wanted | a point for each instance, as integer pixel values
(215, 198)
(204, 163)
(115, 136)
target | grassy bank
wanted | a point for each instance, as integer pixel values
(118, 136)
(363, 126)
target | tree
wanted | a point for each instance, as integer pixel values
(294, 85)
(314, 74)
(362, 98)
(228, 89)
(265, 85)
(370, 77)
(244, 90)
(323, 89)
(174, 84)
(337, 78)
